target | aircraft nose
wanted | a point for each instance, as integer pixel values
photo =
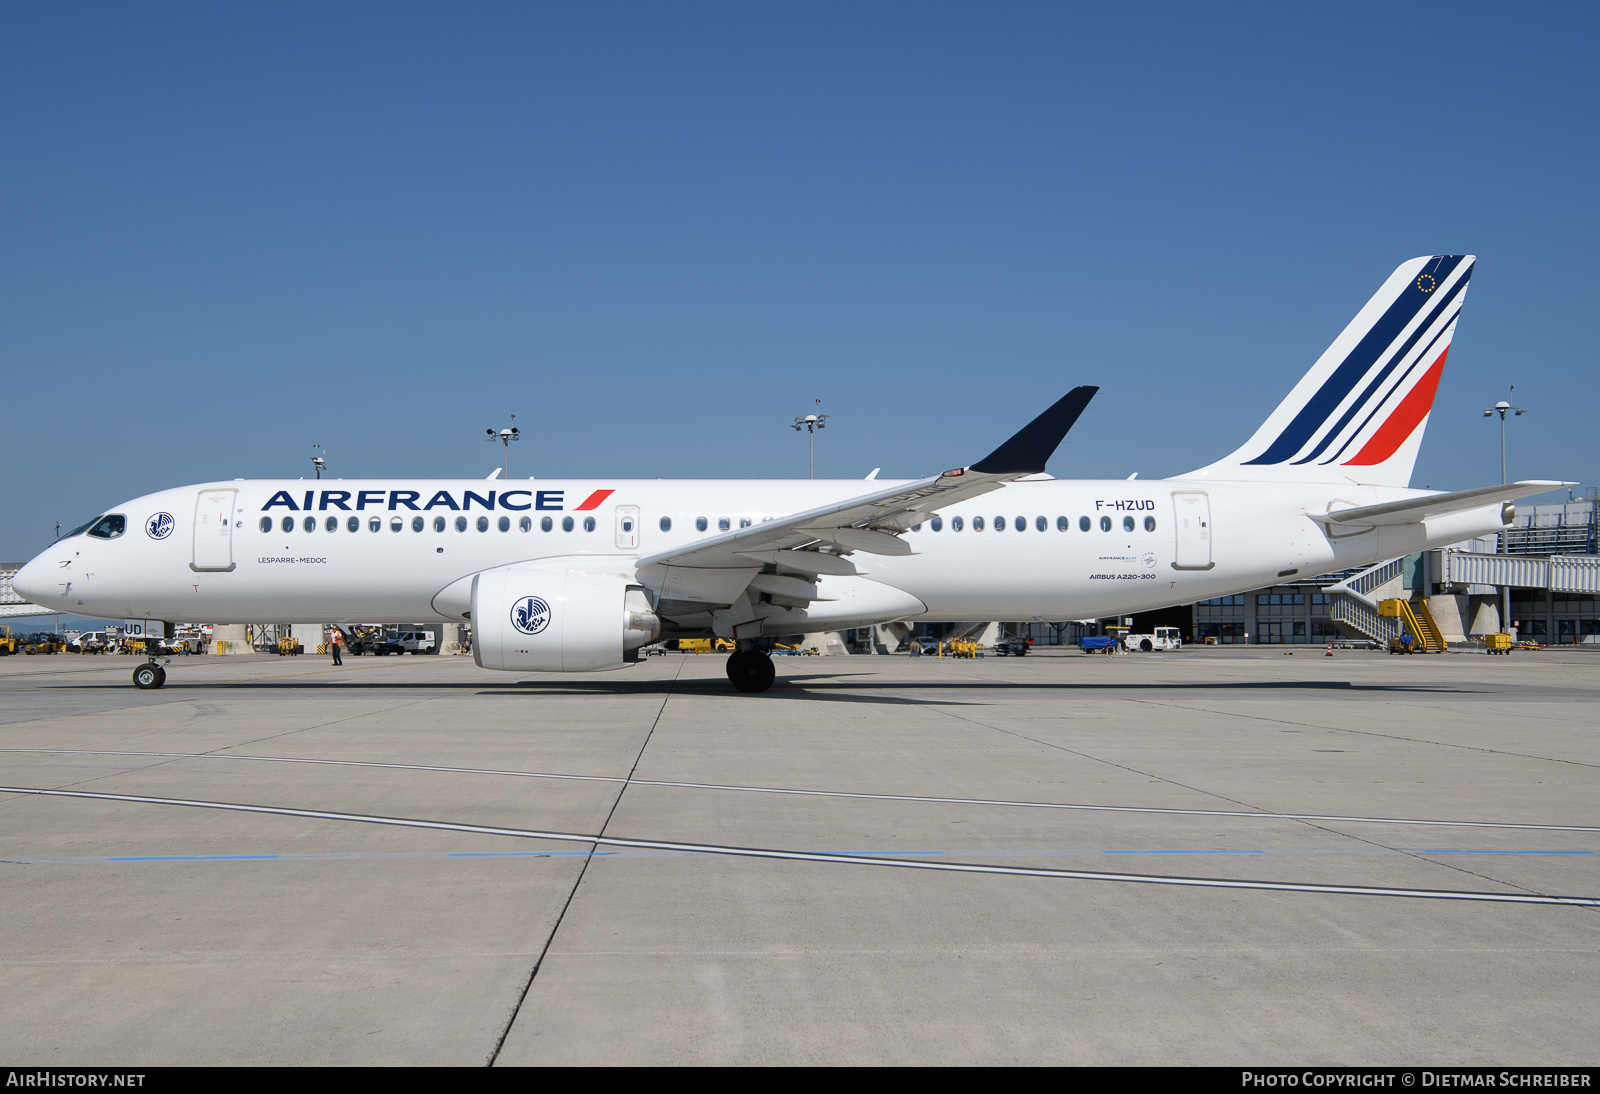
(30, 581)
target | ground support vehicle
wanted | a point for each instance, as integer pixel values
(8, 644)
(289, 647)
(1406, 643)
(41, 642)
(1164, 638)
(1498, 643)
(1011, 647)
(412, 641)
(699, 645)
(1107, 643)
(794, 651)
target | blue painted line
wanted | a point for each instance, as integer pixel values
(1191, 852)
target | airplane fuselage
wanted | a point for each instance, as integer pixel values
(405, 551)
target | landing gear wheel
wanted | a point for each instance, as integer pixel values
(149, 677)
(751, 670)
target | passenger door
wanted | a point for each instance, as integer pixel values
(1192, 519)
(213, 531)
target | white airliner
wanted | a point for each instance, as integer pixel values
(577, 575)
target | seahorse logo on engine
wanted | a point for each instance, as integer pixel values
(530, 615)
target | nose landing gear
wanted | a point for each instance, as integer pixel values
(149, 676)
(751, 670)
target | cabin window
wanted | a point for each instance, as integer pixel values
(438, 524)
(1127, 524)
(483, 524)
(309, 524)
(1063, 524)
(1083, 524)
(724, 523)
(588, 524)
(526, 524)
(916, 527)
(955, 524)
(566, 524)
(266, 524)
(1149, 524)
(287, 524)
(504, 524)
(744, 522)
(396, 524)
(1040, 524)
(666, 524)
(418, 524)
(977, 524)
(331, 524)
(545, 524)
(937, 524)
(1105, 524)
(461, 524)
(699, 524)
(1021, 523)
(374, 523)
(999, 524)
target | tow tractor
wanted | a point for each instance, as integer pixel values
(1164, 638)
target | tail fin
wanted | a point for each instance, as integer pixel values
(1359, 414)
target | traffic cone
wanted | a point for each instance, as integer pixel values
(1330, 650)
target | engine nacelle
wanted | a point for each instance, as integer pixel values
(526, 618)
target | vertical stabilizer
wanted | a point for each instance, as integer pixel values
(1359, 414)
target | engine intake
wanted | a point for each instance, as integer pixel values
(524, 617)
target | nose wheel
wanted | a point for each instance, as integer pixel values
(751, 670)
(149, 676)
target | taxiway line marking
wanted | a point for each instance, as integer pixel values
(843, 859)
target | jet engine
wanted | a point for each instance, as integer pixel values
(524, 617)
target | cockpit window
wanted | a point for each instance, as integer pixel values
(109, 527)
(78, 531)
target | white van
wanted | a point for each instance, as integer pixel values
(411, 641)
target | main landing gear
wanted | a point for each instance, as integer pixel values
(149, 676)
(751, 670)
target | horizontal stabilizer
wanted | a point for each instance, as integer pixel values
(1415, 510)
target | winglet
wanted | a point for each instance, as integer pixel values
(1034, 444)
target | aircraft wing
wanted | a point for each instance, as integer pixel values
(813, 542)
(1413, 510)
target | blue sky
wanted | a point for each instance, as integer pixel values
(657, 232)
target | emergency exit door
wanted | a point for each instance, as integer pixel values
(1192, 519)
(627, 527)
(213, 531)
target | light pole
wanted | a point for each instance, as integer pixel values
(1503, 408)
(317, 461)
(811, 423)
(505, 437)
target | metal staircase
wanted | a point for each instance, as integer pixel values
(1418, 620)
(1355, 612)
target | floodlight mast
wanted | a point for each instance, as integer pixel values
(317, 460)
(1503, 408)
(505, 437)
(811, 423)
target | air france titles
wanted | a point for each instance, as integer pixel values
(361, 500)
